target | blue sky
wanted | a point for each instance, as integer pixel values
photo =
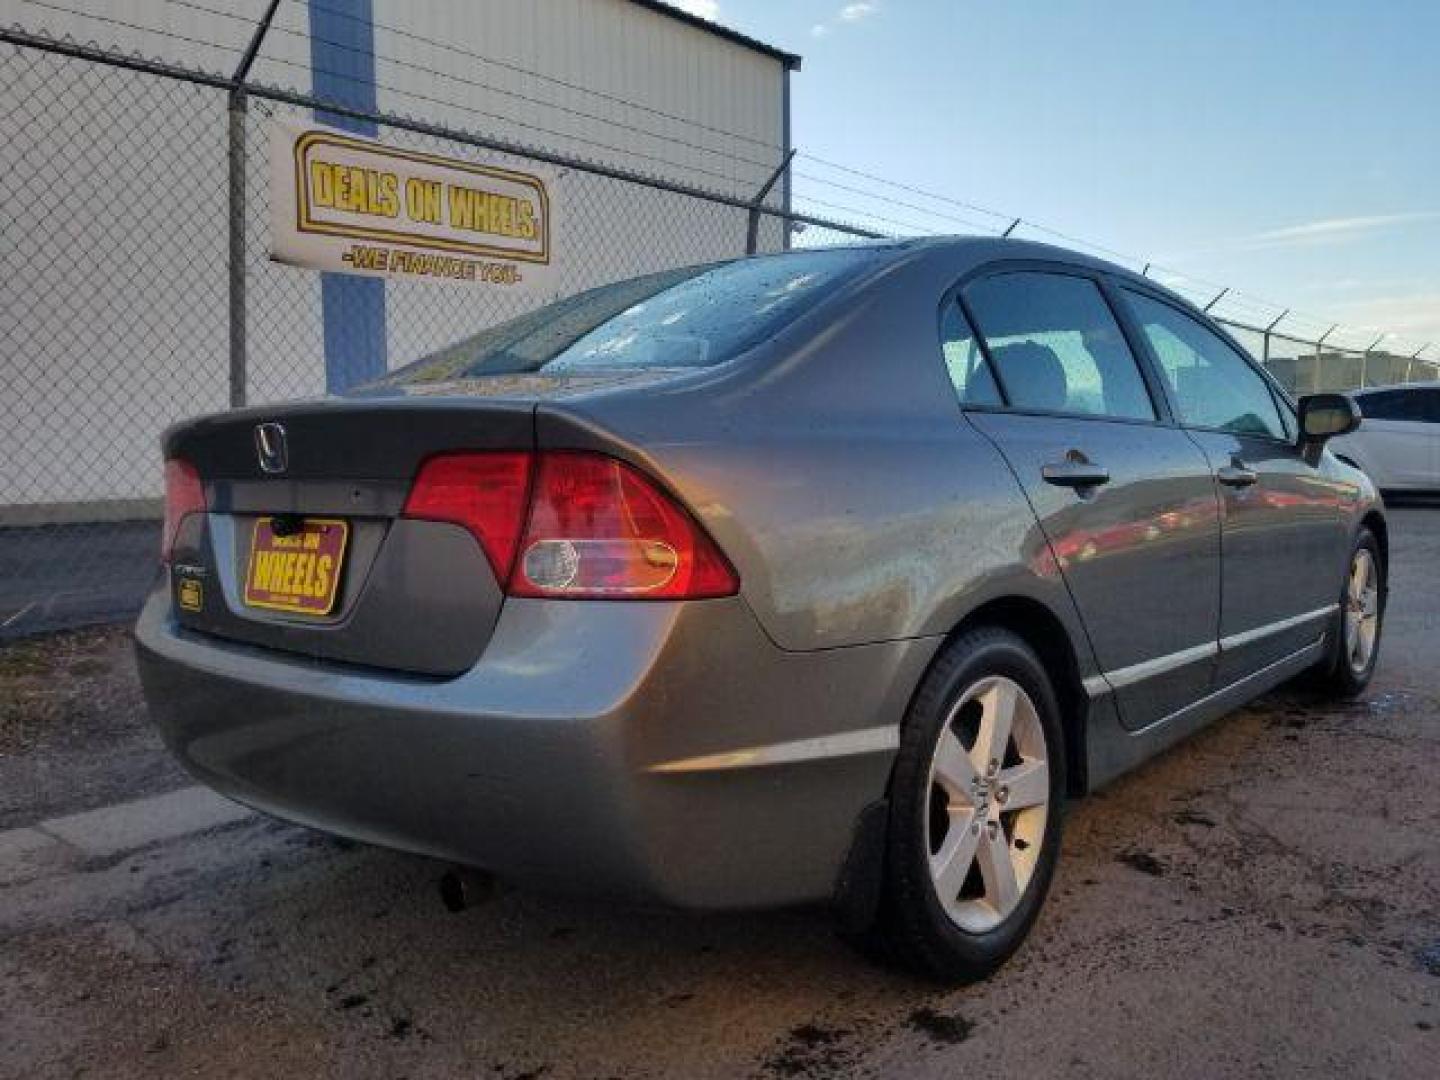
(1289, 148)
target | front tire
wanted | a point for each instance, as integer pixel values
(1355, 633)
(975, 806)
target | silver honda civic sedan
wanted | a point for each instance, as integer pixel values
(822, 576)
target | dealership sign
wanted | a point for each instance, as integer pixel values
(352, 205)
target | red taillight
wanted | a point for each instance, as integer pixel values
(485, 492)
(591, 527)
(184, 495)
(599, 529)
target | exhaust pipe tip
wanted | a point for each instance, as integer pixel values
(464, 887)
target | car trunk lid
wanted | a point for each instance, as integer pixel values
(288, 487)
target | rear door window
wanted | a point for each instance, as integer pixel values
(1056, 347)
(964, 362)
(1213, 385)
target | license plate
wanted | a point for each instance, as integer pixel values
(298, 572)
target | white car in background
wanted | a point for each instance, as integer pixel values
(1398, 441)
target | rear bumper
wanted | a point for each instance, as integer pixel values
(654, 752)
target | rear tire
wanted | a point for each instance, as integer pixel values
(975, 806)
(1355, 631)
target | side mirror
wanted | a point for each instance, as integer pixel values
(1323, 416)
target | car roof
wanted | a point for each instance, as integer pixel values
(983, 249)
(1367, 391)
(956, 256)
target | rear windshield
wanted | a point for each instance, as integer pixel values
(695, 317)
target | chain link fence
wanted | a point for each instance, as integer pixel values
(136, 290)
(1307, 358)
(119, 310)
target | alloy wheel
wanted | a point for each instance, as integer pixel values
(1362, 611)
(989, 795)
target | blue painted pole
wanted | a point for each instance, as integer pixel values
(342, 61)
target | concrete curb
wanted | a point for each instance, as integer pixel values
(114, 830)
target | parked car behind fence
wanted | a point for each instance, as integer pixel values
(1398, 441)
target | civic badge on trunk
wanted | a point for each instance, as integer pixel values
(270, 446)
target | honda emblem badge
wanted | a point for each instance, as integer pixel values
(270, 446)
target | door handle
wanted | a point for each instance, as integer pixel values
(1236, 475)
(1075, 474)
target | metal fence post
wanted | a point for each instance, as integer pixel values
(752, 233)
(236, 252)
(1319, 352)
(1365, 360)
(1270, 330)
(1410, 363)
(237, 111)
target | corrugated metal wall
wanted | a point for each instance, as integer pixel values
(730, 97)
(495, 65)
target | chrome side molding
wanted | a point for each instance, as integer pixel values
(1105, 682)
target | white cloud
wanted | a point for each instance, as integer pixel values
(1328, 229)
(1414, 314)
(706, 9)
(850, 13)
(1307, 234)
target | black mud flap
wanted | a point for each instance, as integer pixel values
(856, 901)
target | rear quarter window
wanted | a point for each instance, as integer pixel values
(964, 363)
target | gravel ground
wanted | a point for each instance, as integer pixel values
(73, 730)
(1262, 901)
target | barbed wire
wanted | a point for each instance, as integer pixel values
(627, 152)
(911, 228)
(1261, 309)
(137, 27)
(389, 88)
(381, 58)
(940, 215)
(886, 181)
(1232, 297)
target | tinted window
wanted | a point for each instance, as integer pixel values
(695, 317)
(1213, 385)
(1056, 346)
(1394, 405)
(964, 362)
(1430, 405)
